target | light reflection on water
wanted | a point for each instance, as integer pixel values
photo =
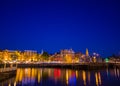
(63, 77)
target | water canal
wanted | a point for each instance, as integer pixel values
(63, 77)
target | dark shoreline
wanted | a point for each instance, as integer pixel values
(84, 66)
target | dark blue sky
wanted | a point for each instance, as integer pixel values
(54, 25)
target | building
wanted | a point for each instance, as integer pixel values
(78, 57)
(29, 55)
(68, 55)
(57, 57)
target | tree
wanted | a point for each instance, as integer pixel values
(45, 55)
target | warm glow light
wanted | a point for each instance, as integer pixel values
(9, 84)
(21, 75)
(84, 77)
(68, 58)
(39, 76)
(99, 77)
(33, 72)
(29, 73)
(67, 76)
(94, 59)
(17, 75)
(76, 74)
(96, 79)
(14, 83)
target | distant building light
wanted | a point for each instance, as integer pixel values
(106, 60)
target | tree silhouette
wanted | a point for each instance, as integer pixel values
(45, 55)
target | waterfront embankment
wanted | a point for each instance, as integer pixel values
(71, 65)
(68, 65)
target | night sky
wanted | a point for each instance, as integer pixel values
(55, 25)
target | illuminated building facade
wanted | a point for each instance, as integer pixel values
(30, 55)
(68, 55)
(57, 57)
(78, 57)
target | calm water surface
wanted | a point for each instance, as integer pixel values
(63, 77)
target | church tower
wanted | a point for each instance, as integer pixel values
(87, 53)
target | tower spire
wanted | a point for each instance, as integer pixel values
(87, 53)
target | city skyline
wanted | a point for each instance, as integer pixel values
(55, 25)
(86, 52)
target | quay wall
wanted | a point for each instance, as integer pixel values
(71, 65)
(67, 65)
